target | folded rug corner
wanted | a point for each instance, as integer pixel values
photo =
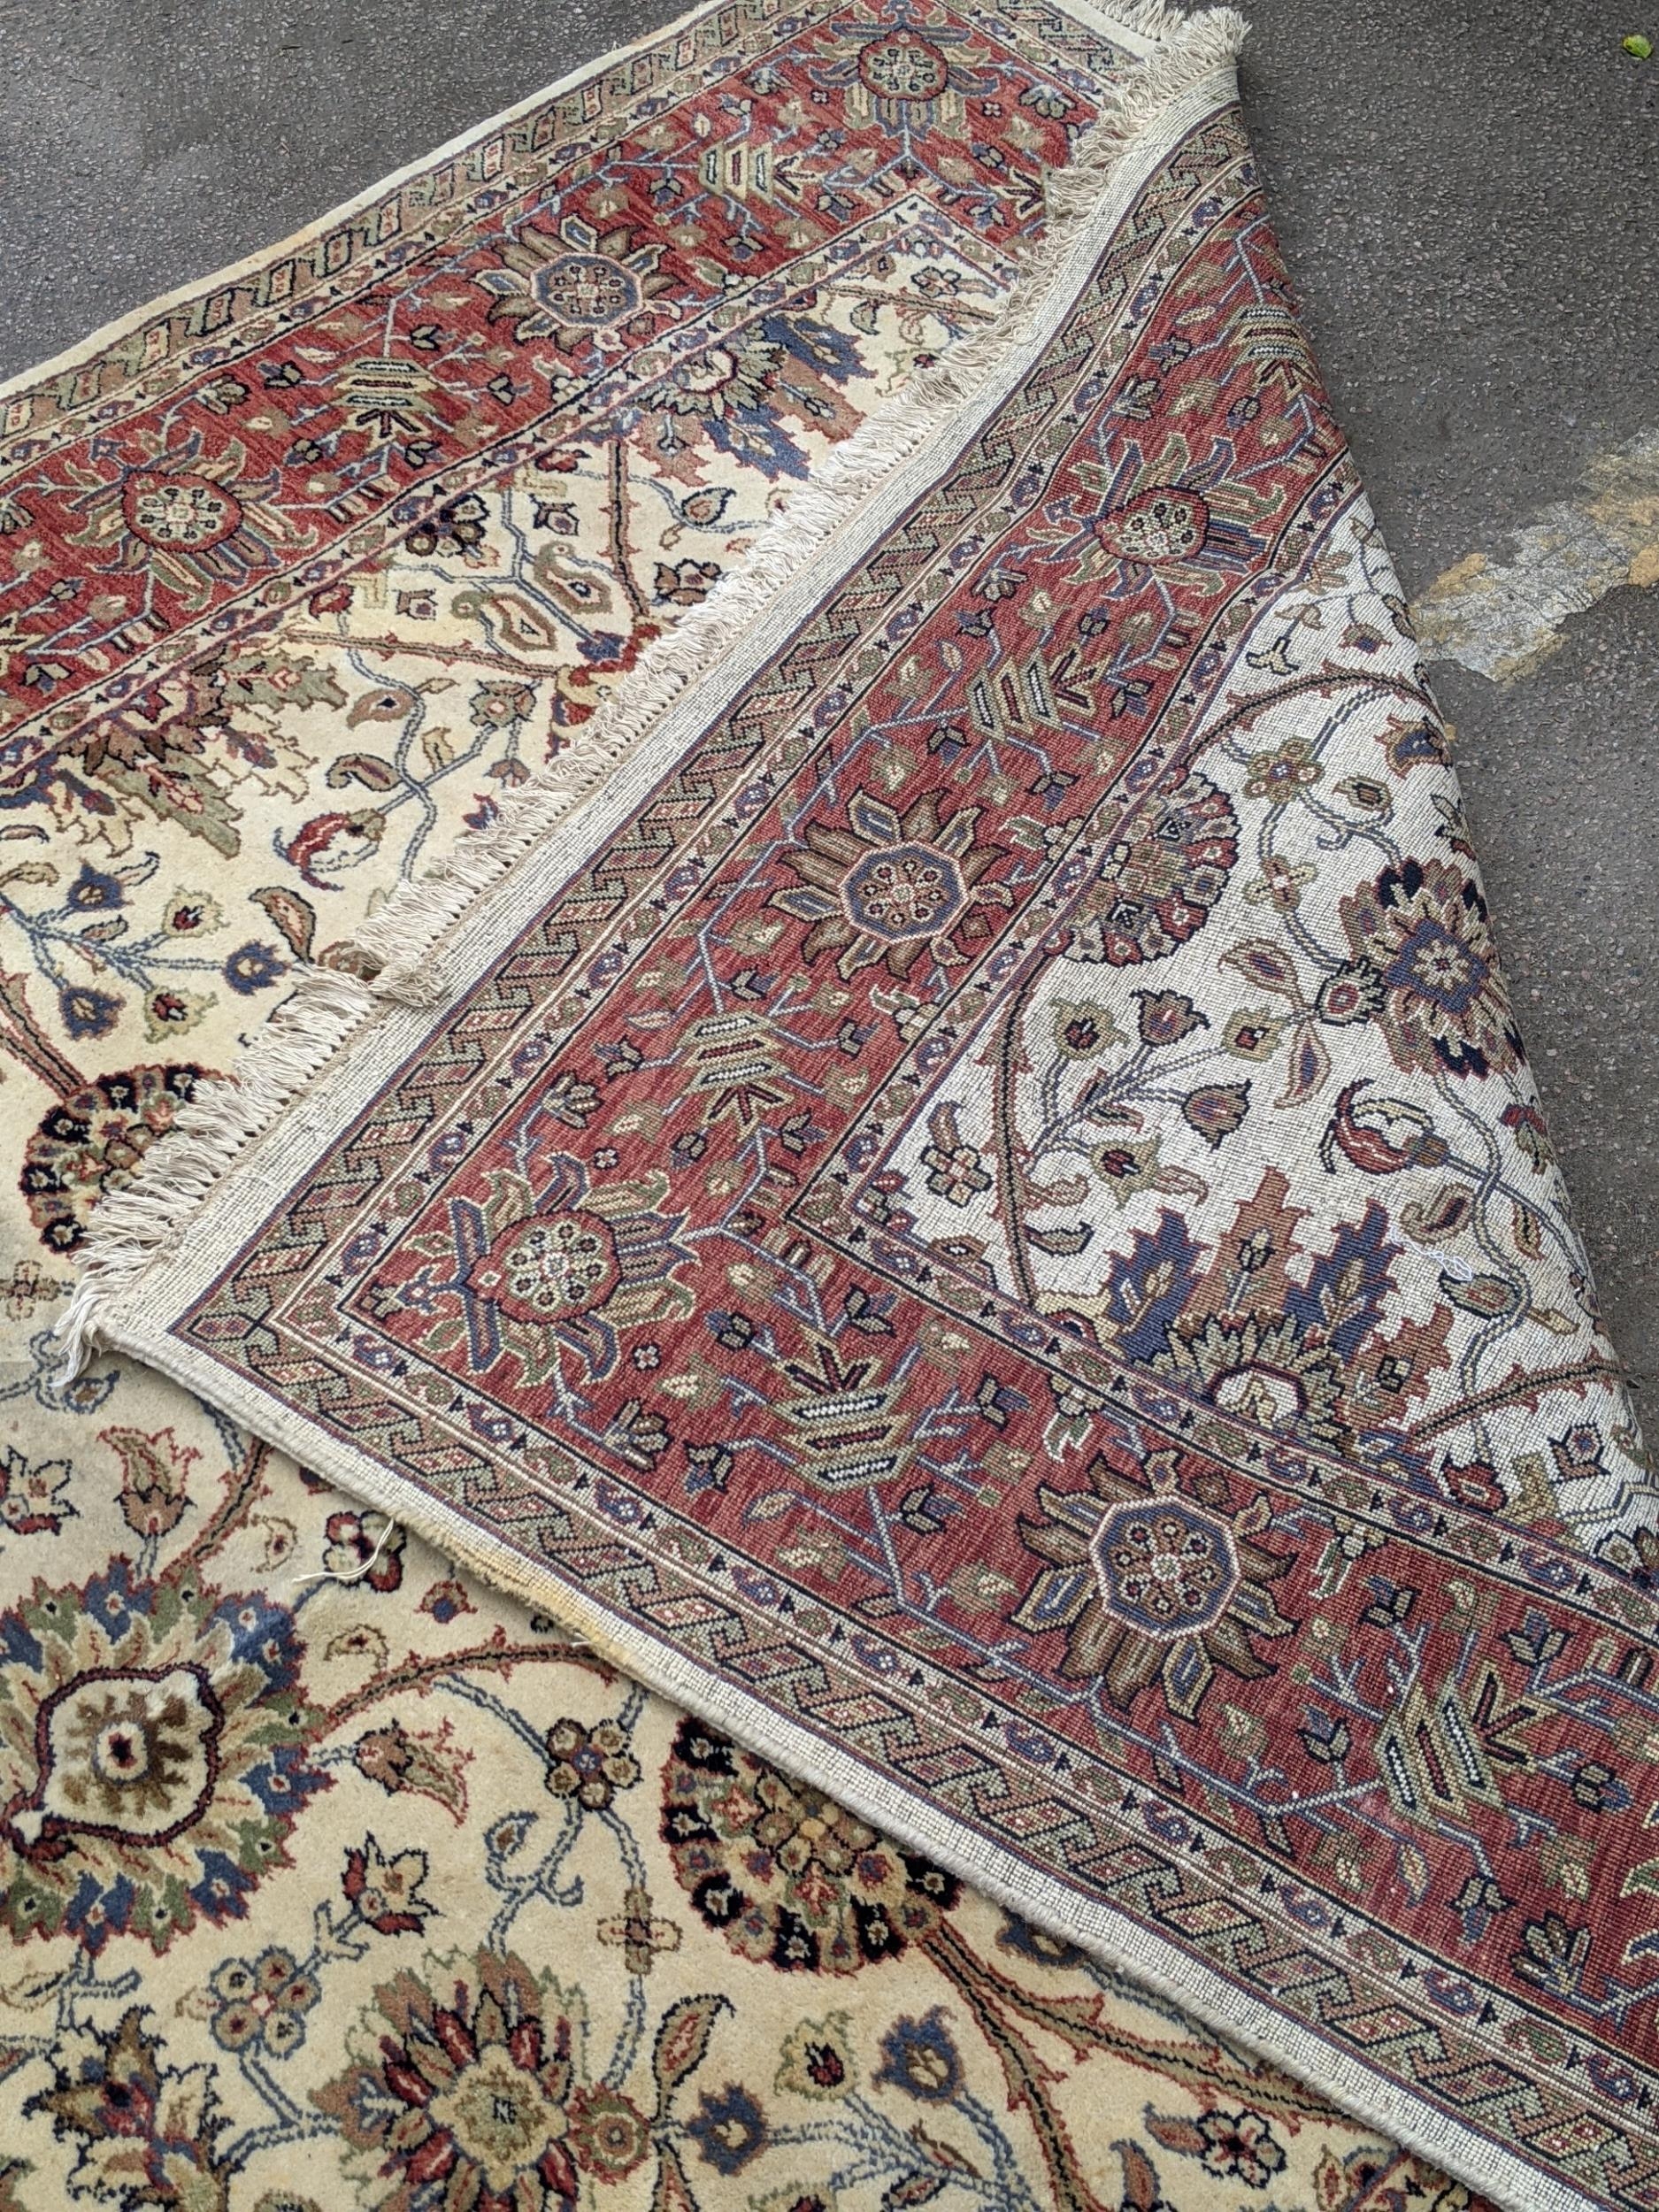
(952, 1178)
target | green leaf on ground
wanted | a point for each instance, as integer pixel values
(1637, 44)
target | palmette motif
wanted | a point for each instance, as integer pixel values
(915, 1222)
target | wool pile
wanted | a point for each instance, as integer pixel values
(775, 1155)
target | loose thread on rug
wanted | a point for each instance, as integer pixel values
(327, 1574)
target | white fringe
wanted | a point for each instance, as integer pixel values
(134, 1227)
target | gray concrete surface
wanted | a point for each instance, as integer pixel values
(1465, 192)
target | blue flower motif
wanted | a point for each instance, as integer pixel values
(95, 892)
(254, 967)
(730, 2129)
(1037, 1945)
(918, 2057)
(87, 1013)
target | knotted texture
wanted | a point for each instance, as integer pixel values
(952, 1183)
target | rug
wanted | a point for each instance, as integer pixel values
(435, 1855)
(754, 1202)
(407, 1784)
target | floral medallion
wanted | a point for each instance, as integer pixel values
(200, 519)
(541, 1269)
(1168, 1570)
(464, 2089)
(914, 80)
(904, 66)
(784, 1873)
(180, 508)
(578, 285)
(559, 1267)
(125, 1754)
(1154, 1580)
(587, 289)
(910, 891)
(888, 887)
(154, 1742)
(1422, 932)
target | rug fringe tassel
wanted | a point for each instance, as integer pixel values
(404, 943)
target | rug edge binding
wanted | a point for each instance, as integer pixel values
(139, 1227)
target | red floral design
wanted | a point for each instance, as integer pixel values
(466, 2103)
